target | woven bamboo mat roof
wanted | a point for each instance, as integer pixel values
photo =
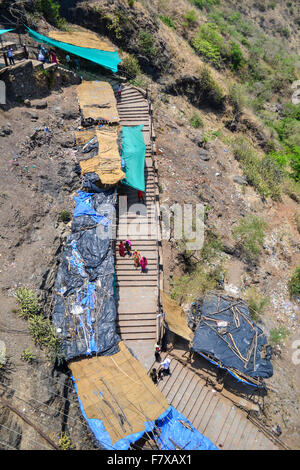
(82, 39)
(117, 390)
(97, 101)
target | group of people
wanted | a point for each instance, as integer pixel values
(47, 57)
(139, 261)
(164, 368)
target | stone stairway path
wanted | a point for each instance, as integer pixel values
(138, 292)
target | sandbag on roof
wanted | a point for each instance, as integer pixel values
(84, 303)
(226, 333)
(175, 318)
(107, 164)
(133, 152)
(117, 397)
(97, 101)
(107, 59)
(82, 39)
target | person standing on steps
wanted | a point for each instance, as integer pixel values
(143, 264)
(10, 56)
(153, 375)
(136, 258)
(166, 366)
(121, 249)
(53, 57)
(157, 350)
(141, 197)
(119, 91)
(128, 247)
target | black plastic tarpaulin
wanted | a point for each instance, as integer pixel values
(227, 334)
(84, 301)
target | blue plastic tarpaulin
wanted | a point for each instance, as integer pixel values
(2, 31)
(133, 152)
(107, 59)
(169, 424)
(84, 207)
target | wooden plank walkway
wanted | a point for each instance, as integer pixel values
(215, 416)
(137, 292)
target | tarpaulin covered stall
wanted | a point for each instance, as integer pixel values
(227, 335)
(107, 59)
(97, 102)
(120, 403)
(133, 152)
(84, 304)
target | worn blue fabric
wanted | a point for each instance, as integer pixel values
(107, 59)
(84, 207)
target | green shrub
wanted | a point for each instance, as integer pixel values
(277, 335)
(167, 21)
(236, 97)
(190, 19)
(44, 336)
(27, 355)
(236, 57)
(131, 67)
(131, 3)
(196, 121)
(250, 234)
(64, 441)
(65, 216)
(294, 283)
(208, 43)
(204, 3)
(212, 247)
(29, 303)
(264, 174)
(51, 10)
(256, 303)
(146, 43)
(189, 286)
(211, 90)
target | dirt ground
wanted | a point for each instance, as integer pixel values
(184, 177)
(38, 181)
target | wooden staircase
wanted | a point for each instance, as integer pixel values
(214, 415)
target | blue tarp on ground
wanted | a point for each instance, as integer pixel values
(175, 427)
(133, 152)
(84, 207)
(107, 59)
(171, 427)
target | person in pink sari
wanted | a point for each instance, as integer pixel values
(143, 264)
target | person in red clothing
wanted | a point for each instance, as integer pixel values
(121, 249)
(53, 57)
(141, 196)
(143, 263)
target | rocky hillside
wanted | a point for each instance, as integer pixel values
(220, 75)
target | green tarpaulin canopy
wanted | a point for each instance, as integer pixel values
(107, 59)
(133, 152)
(2, 31)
